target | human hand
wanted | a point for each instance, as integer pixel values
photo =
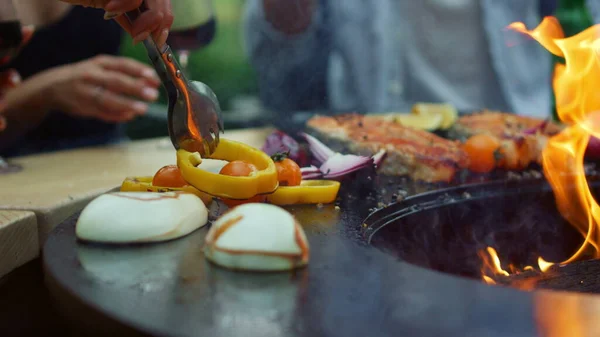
(155, 21)
(8, 79)
(289, 17)
(112, 89)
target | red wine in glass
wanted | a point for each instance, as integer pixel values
(193, 29)
(11, 38)
(10, 41)
(190, 39)
(193, 38)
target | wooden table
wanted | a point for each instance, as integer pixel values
(53, 186)
(18, 239)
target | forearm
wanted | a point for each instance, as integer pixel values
(26, 107)
(291, 68)
(31, 100)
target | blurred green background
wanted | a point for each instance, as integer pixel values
(222, 65)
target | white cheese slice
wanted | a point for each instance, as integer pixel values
(129, 217)
(259, 237)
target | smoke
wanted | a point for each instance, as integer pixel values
(520, 226)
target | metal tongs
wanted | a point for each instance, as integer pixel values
(194, 116)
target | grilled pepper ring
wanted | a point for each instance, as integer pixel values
(308, 192)
(231, 187)
(144, 184)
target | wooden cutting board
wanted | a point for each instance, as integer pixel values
(56, 185)
(18, 239)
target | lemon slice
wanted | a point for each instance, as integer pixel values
(424, 122)
(446, 110)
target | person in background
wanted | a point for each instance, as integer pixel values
(385, 55)
(71, 97)
(75, 91)
(156, 21)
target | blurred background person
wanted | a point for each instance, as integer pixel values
(10, 78)
(385, 55)
(75, 90)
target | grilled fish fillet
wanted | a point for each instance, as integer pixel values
(500, 124)
(519, 149)
(418, 154)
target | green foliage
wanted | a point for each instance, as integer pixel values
(224, 67)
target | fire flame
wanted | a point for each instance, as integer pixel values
(576, 85)
(492, 267)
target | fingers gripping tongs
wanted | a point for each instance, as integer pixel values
(194, 115)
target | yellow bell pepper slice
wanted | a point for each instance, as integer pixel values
(231, 187)
(144, 184)
(308, 192)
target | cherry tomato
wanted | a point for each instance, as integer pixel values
(169, 176)
(238, 168)
(482, 151)
(288, 172)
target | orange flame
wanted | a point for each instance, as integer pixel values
(576, 85)
(492, 266)
(488, 279)
(544, 265)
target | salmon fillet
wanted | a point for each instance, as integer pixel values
(418, 154)
(518, 148)
(499, 124)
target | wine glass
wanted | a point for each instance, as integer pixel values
(10, 32)
(10, 42)
(194, 28)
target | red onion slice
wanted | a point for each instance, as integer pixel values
(311, 172)
(378, 157)
(309, 169)
(342, 164)
(310, 176)
(319, 150)
(335, 164)
(278, 142)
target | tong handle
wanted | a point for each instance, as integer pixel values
(158, 60)
(158, 54)
(134, 14)
(152, 49)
